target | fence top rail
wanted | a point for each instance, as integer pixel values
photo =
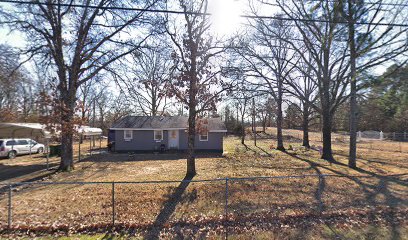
(13, 184)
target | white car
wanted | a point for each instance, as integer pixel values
(12, 147)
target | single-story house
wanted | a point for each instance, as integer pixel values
(145, 133)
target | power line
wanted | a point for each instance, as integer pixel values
(369, 3)
(103, 7)
(365, 2)
(322, 21)
(197, 13)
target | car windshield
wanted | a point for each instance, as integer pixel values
(1, 143)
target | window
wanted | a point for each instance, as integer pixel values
(22, 142)
(158, 135)
(128, 135)
(173, 134)
(204, 136)
(11, 143)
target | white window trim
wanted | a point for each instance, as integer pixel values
(201, 140)
(128, 138)
(154, 136)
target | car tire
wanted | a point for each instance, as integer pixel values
(40, 150)
(12, 154)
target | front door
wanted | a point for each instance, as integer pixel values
(173, 139)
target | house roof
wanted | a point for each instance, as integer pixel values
(163, 122)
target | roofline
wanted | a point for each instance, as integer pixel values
(147, 129)
(151, 129)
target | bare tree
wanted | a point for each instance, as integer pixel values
(327, 56)
(370, 45)
(302, 85)
(324, 33)
(78, 43)
(16, 92)
(241, 97)
(145, 80)
(197, 82)
(268, 62)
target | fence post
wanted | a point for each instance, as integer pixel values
(9, 207)
(393, 137)
(113, 204)
(48, 154)
(405, 136)
(319, 193)
(226, 208)
(90, 147)
(79, 148)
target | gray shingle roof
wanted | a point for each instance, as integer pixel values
(158, 122)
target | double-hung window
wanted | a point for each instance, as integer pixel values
(204, 136)
(158, 135)
(128, 135)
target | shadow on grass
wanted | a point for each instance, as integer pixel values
(371, 191)
(9, 172)
(139, 157)
(372, 160)
(168, 209)
(248, 148)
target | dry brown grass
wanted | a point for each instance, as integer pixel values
(368, 187)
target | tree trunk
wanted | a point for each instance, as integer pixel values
(242, 131)
(191, 170)
(326, 107)
(326, 130)
(353, 90)
(306, 125)
(68, 99)
(67, 162)
(279, 120)
(93, 120)
(264, 125)
(254, 120)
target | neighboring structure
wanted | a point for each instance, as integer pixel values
(140, 133)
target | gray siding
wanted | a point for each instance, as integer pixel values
(143, 141)
(215, 141)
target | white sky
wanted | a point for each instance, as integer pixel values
(226, 15)
(226, 21)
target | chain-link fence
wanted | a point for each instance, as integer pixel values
(218, 203)
(370, 140)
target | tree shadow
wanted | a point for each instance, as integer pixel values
(371, 191)
(372, 160)
(168, 209)
(248, 148)
(9, 172)
(142, 157)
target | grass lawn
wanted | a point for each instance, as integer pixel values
(352, 204)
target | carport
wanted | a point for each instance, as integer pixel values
(30, 130)
(26, 130)
(88, 132)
